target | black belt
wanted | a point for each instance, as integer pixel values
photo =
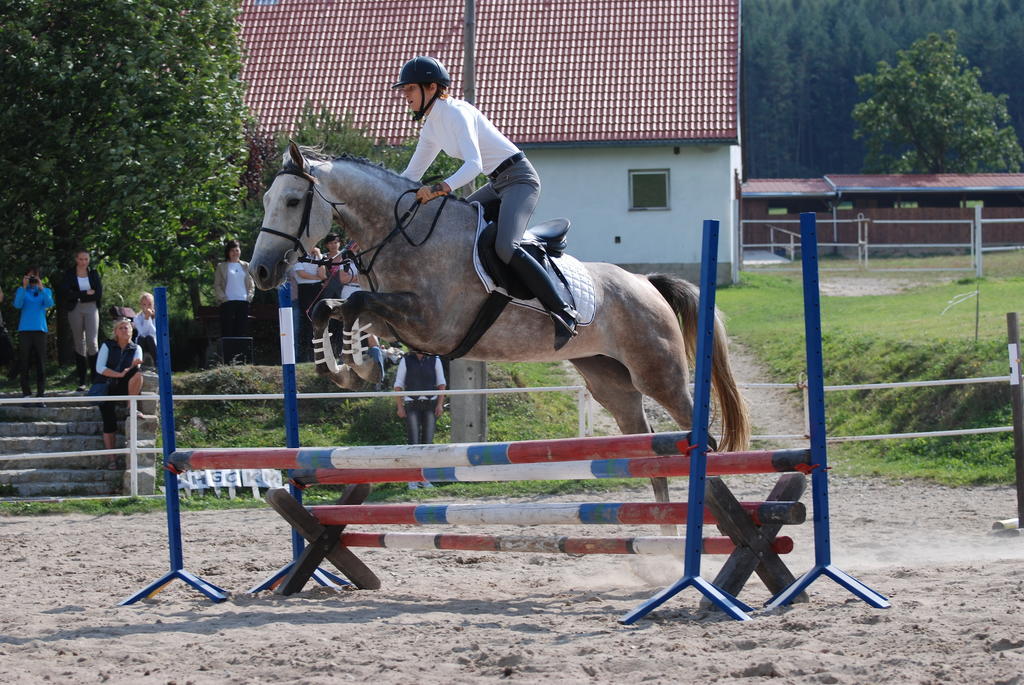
(506, 164)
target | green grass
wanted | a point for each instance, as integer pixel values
(866, 339)
(901, 337)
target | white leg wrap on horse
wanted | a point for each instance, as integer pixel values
(354, 342)
(322, 352)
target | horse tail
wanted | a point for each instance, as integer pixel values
(684, 298)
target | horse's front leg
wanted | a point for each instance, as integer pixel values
(343, 374)
(375, 309)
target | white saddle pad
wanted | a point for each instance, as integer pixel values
(581, 283)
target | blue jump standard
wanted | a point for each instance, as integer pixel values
(177, 572)
(698, 461)
(819, 454)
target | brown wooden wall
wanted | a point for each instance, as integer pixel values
(998, 234)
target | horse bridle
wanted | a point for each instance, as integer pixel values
(401, 223)
(292, 170)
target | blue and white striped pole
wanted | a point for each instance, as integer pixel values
(291, 435)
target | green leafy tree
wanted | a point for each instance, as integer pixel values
(929, 114)
(121, 131)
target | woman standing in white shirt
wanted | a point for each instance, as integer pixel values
(81, 293)
(234, 289)
(461, 131)
(307, 278)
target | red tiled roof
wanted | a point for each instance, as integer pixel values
(547, 71)
(926, 182)
(775, 187)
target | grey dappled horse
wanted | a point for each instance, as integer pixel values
(422, 288)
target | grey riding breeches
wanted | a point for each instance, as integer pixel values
(518, 188)
(84, 321)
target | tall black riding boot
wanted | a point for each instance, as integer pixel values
(538, 281)
(81, 364)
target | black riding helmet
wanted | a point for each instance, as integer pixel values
(422, 71)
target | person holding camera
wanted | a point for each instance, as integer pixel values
(335, 277)
(350, 284)
(32, 299)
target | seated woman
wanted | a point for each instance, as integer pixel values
(118, 362)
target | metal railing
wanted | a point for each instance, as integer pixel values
(800, 385)
(584, 404)
(133, 450)
(783, 240)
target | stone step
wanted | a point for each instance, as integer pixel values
(76, 443)
(64, 411)
(63, 482)
(54, 412)
(34, 429)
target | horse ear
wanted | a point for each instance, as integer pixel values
(297, 159)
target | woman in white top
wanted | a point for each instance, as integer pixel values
(81, 293)
(307, 281)
(461, 131)
(234, 289)
(145, 326)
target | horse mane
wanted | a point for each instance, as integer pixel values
(317, 154)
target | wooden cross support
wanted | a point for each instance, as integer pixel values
(323, 542)
(753, 543)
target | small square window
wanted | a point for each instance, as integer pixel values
(648, 189)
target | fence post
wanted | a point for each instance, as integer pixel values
(979, 269)
(133, 447)
(581, 413)
(1017, 392)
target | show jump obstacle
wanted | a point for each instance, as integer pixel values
(753, 544)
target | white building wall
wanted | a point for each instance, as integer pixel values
(590, 186)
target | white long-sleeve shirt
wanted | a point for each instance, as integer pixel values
(461, 131)
(145, 327)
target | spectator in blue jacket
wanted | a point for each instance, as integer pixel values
(33, 300)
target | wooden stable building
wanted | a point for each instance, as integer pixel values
(918, 209)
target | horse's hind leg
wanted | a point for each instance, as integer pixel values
(610, 384)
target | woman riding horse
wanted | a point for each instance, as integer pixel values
(459, 129)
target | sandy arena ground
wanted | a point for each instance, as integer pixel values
(442, 617)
